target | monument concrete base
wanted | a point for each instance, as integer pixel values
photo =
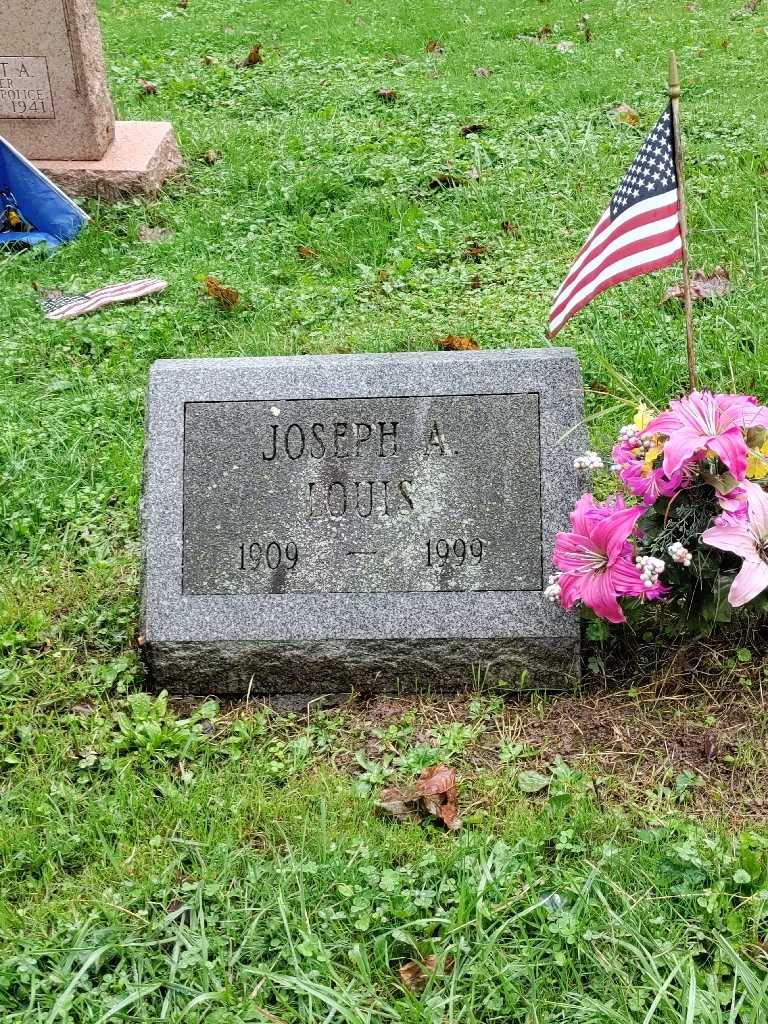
(143, 156)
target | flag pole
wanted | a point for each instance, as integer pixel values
(673, 87)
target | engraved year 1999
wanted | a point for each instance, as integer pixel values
(271, 555)
(454, 552)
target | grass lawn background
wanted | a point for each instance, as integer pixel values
(229, 869)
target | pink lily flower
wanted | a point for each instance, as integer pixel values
(702, 422)
(749, 539)
(596, 558)
(645, 483)
(734, 506)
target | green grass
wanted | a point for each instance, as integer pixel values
(162, 873)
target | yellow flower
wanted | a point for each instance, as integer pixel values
(757, 463)
(651, 455)
(643, 416)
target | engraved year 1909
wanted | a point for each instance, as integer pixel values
(258, 555)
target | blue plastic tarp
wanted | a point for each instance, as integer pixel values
(54, 217)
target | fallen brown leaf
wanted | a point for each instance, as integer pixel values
(444, 180)
(584, 28)
(386, 95)
(703, 286)
(147, 88)
(509, 228)
(401, 802)
(307, 253)
(544, 31)
(482, 73)
(84, 710)
(254, 57)
(147, 234)
(222, 294)
(434, 794)
(456, 343)
(623, 114)
(211, 156)
(725, 44)
(183, 4)
(690, 7)
(475, 251)
(471, 129)
(415, 974)
(434, 47)
(208, 60)
(710, 745)
(475, 283)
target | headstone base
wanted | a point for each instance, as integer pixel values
(305, 671)
(143, 156)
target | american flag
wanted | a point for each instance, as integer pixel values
(57, 306)
(639, 232)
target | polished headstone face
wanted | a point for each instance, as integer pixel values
(363, 495)
(321, 524)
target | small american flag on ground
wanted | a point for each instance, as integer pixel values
(57, 306)
(639, 232)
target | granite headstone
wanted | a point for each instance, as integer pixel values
(56, 109)
(318, 525)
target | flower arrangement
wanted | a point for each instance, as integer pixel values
(695, 536)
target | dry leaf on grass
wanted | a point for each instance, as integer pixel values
(254, 57)
(584, 28)
(482, 73)
(475, 251)
(456, 343)
(147, 234)
(183, 4)
(415, 974)
(710, 745)
(703, 286)
(747, 10)
(211, 157)
(566, 46)
(434, 47)
(386, 95)
(208, 60)
(510, 228)
(544, 31)
(222, 294)
(434, 794)
(471, 129)
(306, 252)
(445, 180)
(621, 113)
(147, 88)
(475, 283)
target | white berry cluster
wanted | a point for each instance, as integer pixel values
(680, 554)
(650, 569)
(628, 431)
(552, 592)
(589, 460)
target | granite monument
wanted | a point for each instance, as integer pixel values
(317, 525)
(56, 109)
